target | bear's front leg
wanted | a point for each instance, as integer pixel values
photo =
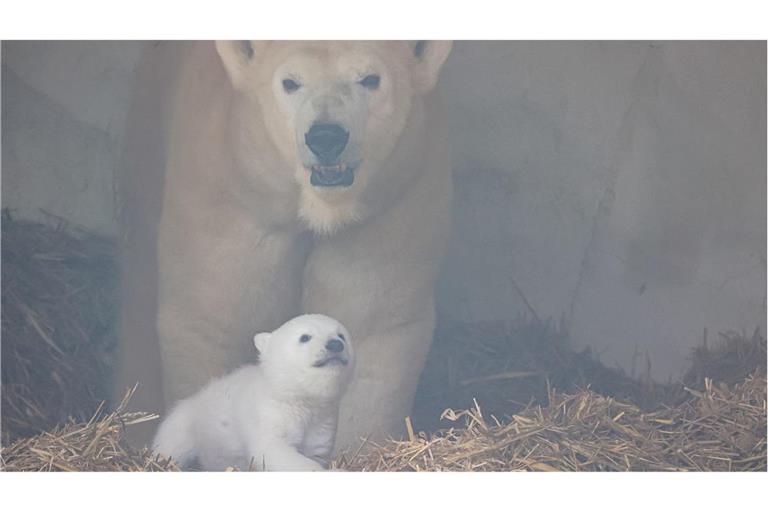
(381, 393)
(388, 307)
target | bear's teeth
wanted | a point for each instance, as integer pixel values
(330, 168)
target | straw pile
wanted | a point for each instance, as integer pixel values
(507, 367)
(731, 360)
(95, 445)
(58, 304)
(722, 428)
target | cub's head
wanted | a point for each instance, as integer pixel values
(335, 111)
(309, 355)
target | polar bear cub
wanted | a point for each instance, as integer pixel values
(277, 415)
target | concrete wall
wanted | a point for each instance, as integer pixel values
(620, 185)
(63, 113)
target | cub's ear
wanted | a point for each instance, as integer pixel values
(237, 56)
(260, 340)
(430, 57)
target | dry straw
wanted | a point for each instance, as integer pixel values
(58, 288)
(95, 445)
(720, 428)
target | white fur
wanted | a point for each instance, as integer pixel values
(244, 240)
(278, 415)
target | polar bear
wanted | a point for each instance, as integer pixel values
(266, 179)
(277, 415)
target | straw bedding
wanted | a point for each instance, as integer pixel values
(721, 428)
(58, 314)
(512, 397)
(94, 445)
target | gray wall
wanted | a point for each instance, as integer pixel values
(620, 185)
(63, 112)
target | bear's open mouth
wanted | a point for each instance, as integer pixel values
(339, 175)
(331, 360)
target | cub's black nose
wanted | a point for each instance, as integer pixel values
(326, 141)
(334, 345)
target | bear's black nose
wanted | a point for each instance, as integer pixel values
(326, 141)
(334, 345)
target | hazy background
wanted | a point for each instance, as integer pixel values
(620, 185)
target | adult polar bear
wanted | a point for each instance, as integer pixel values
(267, 179)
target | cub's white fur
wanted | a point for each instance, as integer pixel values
(278, 415)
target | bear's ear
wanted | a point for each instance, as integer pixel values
(237, 56)
(430, 57)
(260, 341)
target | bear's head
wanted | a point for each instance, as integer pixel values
(335, 111)
(310, 355)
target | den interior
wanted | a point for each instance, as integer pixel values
(600, 306)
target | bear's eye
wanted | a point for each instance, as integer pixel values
(341, 336)
(290, 85)
(305, 338)
(371, 82)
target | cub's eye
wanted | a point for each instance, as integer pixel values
(290, 86)
(305, 338)
(341, 336)
(371, 82)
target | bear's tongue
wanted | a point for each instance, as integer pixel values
(332, 176)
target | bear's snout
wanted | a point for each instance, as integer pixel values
(334, 345)
(327, 141)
